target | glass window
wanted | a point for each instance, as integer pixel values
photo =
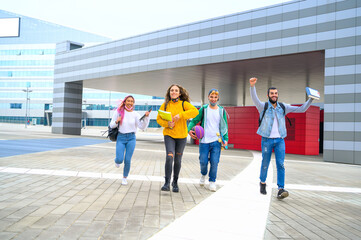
(15, 105)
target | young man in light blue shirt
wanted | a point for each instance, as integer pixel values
(273, 130)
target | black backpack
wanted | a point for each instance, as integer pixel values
(266, 107)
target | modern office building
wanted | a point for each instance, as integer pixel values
(27, 53)
(315, 43)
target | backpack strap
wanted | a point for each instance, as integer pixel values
(284, 112)
(264, 111)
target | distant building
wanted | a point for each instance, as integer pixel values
(27, 54)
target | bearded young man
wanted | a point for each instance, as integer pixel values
(272, 128)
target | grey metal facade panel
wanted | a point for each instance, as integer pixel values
(274, 19)
(259, 21)
(344, 156)
(323, 9)
(345, 79)
(346, 42)
(357, 157)
(341, 117)
(344, 117)
(357, 136)
(258, 37)
(308, 12)
(344, 5)
(67, 100)
(66, 91)
(345, 98)
(67, 119)
(241, 40)
(357, 78)
(305, 47)
(231, 27)
(329, 98)
(328, 155)
(67, 110)
(340, 61)
(343, 136)
(273, 51)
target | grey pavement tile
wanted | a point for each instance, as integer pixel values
(151, 221)
(87, 216)
(6, 222)
(105, 215)
(22, 212)
(46, 221)
(7, 235)
(28, 234)
(74, 231)
(147, 232)
(51, 233)
(129, 235)
(22, 224)
(95, 229)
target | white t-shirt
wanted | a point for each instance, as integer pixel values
(212, 125)
(130, 122)
(274, 132)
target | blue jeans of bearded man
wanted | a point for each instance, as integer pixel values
(278, 145)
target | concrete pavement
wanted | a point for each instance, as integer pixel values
(73, 191)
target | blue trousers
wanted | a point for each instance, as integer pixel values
(124, 150)
(209, 152)
(278, 145)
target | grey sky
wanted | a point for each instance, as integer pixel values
(119, 19)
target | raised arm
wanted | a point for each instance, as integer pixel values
(298, 109)
(143, 124)
(259, 105)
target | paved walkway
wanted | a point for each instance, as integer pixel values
(73, 191)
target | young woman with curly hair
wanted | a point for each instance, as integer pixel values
(175, 132)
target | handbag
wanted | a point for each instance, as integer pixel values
(113, 133)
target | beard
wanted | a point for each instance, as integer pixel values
(271, 101)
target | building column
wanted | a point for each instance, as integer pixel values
(67, 108)
(67, 98)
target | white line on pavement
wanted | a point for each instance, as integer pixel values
(236, 211)
(97, 175)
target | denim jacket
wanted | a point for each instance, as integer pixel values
(266, 126)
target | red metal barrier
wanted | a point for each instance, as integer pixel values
(302, 137)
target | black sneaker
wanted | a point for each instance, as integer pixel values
(263, 188)
(282, 194)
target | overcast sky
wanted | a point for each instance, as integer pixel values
(120, 19)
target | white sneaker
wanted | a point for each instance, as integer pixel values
(212, 186)
(202, 180)
(124, 181)
(117, 165)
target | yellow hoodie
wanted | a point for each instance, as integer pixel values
(180, 128)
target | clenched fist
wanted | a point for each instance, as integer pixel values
(252, 81)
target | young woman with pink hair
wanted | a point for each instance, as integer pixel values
(128, 122)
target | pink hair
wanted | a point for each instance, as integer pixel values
(121, 107)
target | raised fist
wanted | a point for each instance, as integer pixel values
(252, 81)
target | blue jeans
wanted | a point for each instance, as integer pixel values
(209, 152)
(278, 145)
(125, 144)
